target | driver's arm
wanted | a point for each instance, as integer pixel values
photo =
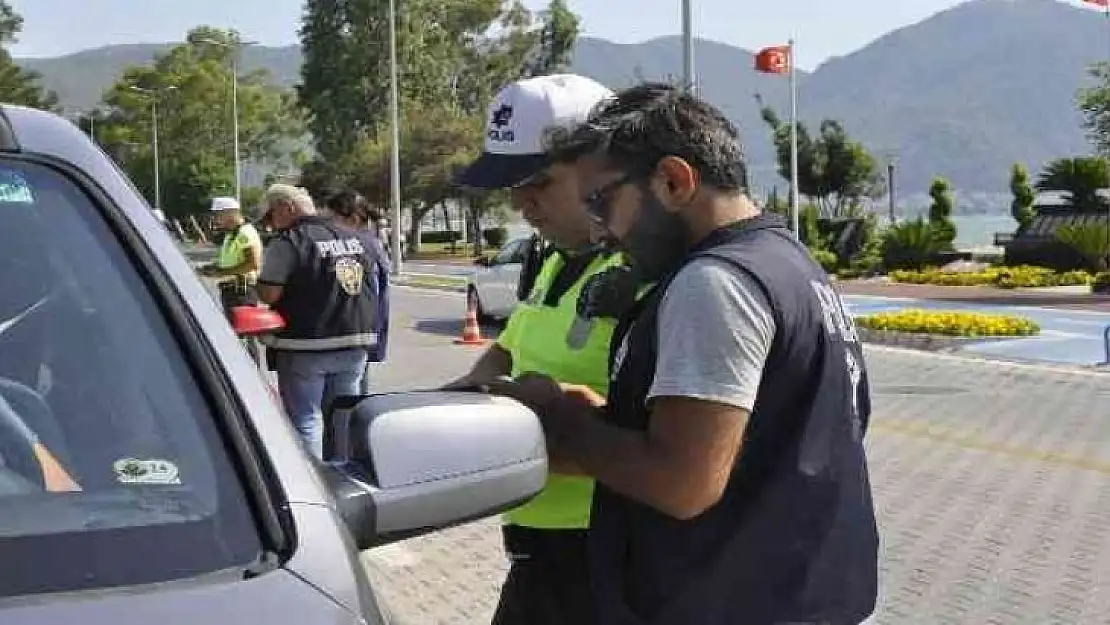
(54, 475)
(57, 479)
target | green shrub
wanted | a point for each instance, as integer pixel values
(1024, 276)
(940, 214)
(910, 245)
(826, 259)
(1101, 282)
(1091, 241)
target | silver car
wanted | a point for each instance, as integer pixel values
(492, 287)
(147, 475)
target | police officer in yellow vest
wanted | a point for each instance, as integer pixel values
(546, 539)
(240, 256)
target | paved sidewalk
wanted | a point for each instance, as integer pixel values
(992, 483)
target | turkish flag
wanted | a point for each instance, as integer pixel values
(1099, 3)
(776, 60)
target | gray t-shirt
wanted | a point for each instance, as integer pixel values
(715, 331)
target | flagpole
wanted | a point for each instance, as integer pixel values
(794, 205)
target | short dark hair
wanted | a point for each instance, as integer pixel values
(643, 124)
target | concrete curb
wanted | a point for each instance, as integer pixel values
(922, 342)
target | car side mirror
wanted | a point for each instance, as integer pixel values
(256, 320)
(405, 464)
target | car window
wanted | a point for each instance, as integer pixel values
(511, 253)
(112, 469)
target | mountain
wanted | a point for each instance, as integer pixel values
(963, 94)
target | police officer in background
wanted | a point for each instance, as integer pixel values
(732, 481)
(315, 276)
(350, 209)
(239, 258)
(549, 333)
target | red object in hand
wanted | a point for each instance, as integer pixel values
(255, 320)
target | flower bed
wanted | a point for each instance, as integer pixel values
(949, 323)
(1024, 276)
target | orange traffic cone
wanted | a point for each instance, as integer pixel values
(471, 334)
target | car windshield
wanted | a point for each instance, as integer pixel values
(110, 455)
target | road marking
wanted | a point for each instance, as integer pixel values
(925, 431)
(1070, 369)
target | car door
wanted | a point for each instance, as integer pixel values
(504, 273)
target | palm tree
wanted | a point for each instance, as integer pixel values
(1079, 177)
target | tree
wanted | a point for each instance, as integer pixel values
(835, 171)
(449, 69)
(435, 144)
(558, 35)
(18, 85)
(1094, 106)
(1022, 205)
(1079, 177)
(330, 77)
(940, 214)
(190, 86)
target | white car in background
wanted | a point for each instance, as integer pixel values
(492, 288)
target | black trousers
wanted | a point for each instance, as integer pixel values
(548, 581)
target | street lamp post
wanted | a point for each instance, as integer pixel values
(234, 106)
(395, 144)
(688, 46)
(154, 139)
(890, 165)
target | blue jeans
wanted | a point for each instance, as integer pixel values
(308, 380)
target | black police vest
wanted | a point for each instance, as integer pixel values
(327, 301)
(793, 539)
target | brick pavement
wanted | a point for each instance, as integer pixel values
(992, 484)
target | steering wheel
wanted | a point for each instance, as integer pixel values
(17, 440)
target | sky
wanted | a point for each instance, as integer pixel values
(822, 28)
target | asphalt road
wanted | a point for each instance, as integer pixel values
(992, 486)
(1066, 337)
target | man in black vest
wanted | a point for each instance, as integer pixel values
(732, 481)
(314, 274)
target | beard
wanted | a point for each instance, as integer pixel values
(657, 241)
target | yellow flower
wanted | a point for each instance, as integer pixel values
(949, 323)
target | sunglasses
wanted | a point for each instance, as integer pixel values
(599, 204)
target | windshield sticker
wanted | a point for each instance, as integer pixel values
(135, 471)
(14, 188)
